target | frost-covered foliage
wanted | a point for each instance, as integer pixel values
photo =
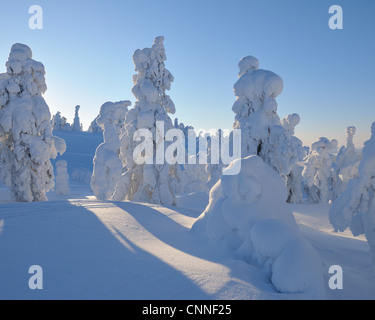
(144, 182)
(294, 178)
(318, 174)
(77, 126)
(355, 207)
(27, 143)
(60, 123)
(347, 162)
(196, 176)
(62, 178)
(94, 127)
(248, 213)
(256, 115)
(107, 163)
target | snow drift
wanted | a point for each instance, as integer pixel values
(248, 213)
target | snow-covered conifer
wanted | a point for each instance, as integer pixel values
(347, 162)
(256, 116)
(146, 182)
(62, 178)
(94, 127)
(355, 207)
(27, 143)
(77, 126)
(107, 163)
(318, 173)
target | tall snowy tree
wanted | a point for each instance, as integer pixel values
(107, 163)
(355, 207)
(318, 174)
(143, 181)
(294, 178)
(27, 143)
(347, 162)
(77, 126)
(256, 116)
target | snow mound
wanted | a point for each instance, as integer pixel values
(289, 259)
(248, 213)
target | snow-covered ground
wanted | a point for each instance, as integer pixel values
(90, 249)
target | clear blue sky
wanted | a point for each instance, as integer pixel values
(87, 46)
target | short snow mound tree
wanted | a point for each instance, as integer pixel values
(107, 163)
(26, 139)
(318, 173)
(145, 180)
(355, 207)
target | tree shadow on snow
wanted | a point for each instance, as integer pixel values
(81, 258)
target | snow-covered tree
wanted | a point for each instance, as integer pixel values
(355, 207)
(347, 162)
(143, 181)
(56, 121)
(62, 178)
(318, 173)
(60, 123)
(77, 126)
(94, 127)
(294, 178)
(26, 139)
(107, 163)
(256, 116)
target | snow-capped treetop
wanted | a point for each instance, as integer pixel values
(153, 79)
(256, 83)
(247, 64)
(324, 146)
(113, 113)
(23, 71)
(290, 122)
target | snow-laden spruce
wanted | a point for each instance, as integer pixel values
(60, 123)
(355, 207)
(144, 182)
(27, 143)
(294, 178)
(262, 132)
(318, 174)
(248, 214)
(347, 162)
(107, 163)
(77, 126)
(62, 178)
(94, 127)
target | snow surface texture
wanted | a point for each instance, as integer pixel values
(107, 163)
(62, 178)
(152, 183)
(248, 214)
(106, 250)
(26, 139)
(262, 131)
(319, 176)
(355, 207)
